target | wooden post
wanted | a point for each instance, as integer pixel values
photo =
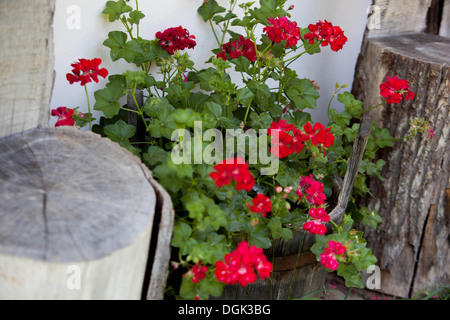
(26, 64)
(411, 243)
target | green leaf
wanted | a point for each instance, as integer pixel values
(182, 237)
(114, 9)
(245, 96)
(193, 204)
(136, 16)
(120, 131)
(352, 106)
(277, 229)
(106, 100)
(261, 121)
(268, 9)
(155, 155)
(259, 236)
(186, 117)
(370, 218)
(154, 106)
(121, 48)
(303, 95)
(297, 118)
(209, 8)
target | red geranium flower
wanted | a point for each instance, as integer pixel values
(234, 49)
(233, 169)
(327, 34)
(315, 225)
(197, 272)
(290, 139)
(396, 90)
(333, 252)
(173, 39)
(239, 266)
(283, 29)
(65, 116)
(311, 190)
(261, 204)
(85, 71)
(319, 135)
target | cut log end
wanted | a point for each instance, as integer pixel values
(70, 196)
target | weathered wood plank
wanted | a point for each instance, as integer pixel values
(359, 147)
(165, 215)
(26, 64)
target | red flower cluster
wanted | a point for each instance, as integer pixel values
(261, 204)
(65, 116)
(327, 34)
(283, 29)
(239, 265)
(290, 139)
(173, 39)
(311, 190)
(85, 71)
(319, 135)
(233, 169)
(316, 226)
(396, 90)
(234, 49)
(333, 252)
(287, 143)
(197, 272)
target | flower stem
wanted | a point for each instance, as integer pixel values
(89, 107)
(133, 94)
(405, 137)
(210, 23)
(292, 59)
(373, 107)
(137, 25)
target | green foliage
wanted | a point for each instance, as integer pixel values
(210, 220)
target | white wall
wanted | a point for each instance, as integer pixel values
(80, 29)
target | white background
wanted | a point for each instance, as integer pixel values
(80, 29)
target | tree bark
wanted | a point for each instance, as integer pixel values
(411, 243)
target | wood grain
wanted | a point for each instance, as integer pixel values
(26, 64)
(71, 198)
(411, 243)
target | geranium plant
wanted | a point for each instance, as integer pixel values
(229, 204)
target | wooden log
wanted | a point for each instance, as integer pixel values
(399, 16)
(296, 271)
(26, 64)
(76, 218)
(411, 243)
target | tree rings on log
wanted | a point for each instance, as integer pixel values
(76, 217)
